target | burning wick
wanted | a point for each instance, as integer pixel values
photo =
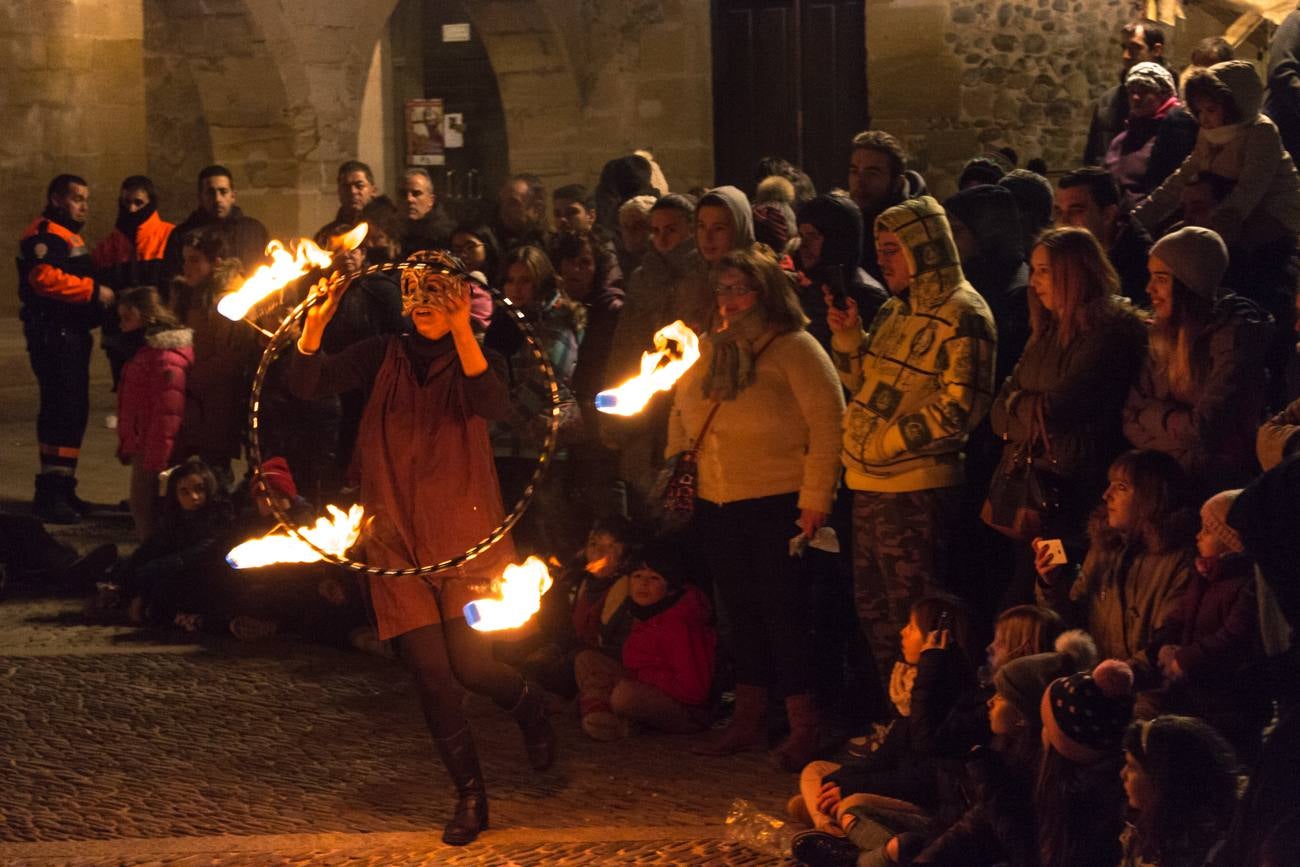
(676, 349)
(286, 266)
(335, 534)
(518, 597)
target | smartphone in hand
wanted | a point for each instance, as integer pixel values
(1055, 551)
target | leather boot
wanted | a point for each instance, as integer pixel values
(747, 731)
(539, 737)
(471, 813)
(53, 501)
(805, 728)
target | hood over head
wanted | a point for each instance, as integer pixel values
(839, 221)
(922, 226)
(990, 213)
(735, 201)
(1241, 79)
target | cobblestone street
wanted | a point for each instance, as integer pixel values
(126, 747)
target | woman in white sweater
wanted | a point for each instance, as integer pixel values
(768, 466)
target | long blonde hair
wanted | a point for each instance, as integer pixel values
(1172, 340)
(1084, 283)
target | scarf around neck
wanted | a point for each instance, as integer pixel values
(731, 366)
(1223, 134)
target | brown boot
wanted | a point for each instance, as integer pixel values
(747, 731)
(470, 815)
(805, 729)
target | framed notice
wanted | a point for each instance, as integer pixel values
(424, 133)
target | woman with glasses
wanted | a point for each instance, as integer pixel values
(477, 248)
(769, 405)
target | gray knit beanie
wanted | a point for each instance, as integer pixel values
(1198, 257)
(1152, 76)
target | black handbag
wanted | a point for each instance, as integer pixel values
(1025, 491)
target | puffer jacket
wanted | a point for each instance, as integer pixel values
(1265, 203)
(1210, 431)
(922, 376)
(151, 398)
(1122, 595)
(673, 650)
(1081, 387)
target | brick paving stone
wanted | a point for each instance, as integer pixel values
(130, 751)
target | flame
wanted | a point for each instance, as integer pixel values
(595, 566)
(660, 369)
(287, 265)
(518, 597)
(335, 534)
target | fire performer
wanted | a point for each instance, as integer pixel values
(430, 490)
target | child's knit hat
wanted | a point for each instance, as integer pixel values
(1085, 715)
(1214, 517)
(278, 479)
(1022, 681)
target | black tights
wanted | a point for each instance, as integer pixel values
(443, 658)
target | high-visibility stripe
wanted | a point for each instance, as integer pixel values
(60, 451)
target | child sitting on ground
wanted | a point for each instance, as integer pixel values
(897, 787)
(1209, 650)
(662, 675)
(1181, 778)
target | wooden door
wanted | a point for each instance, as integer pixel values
(789, 80)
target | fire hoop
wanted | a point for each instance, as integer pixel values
(443, 264)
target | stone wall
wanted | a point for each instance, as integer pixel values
(72, 101)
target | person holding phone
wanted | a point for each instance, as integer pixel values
(829, 259)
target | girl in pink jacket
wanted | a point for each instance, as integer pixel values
(150, 395)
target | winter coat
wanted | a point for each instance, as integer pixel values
(151, 398)
(431, 232)
(558, 326)
(1081, 388)
(922, 375)
(428, 483)
(225, 358)
(839, 222)
(603, 309)
(673, 650)
(1150, 148)
(1265, 202)
(1000, 826)
(1283, 104)
(1122, 595)
(1211, 429)
(372, 305)
(1216, 628)
(1129, 253)
(779, 435)
(246, 240)
(132, 254)
(1109, 115)
(54, 273)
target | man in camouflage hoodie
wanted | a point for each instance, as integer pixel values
(921, 379)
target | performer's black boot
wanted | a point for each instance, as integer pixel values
(471, 815)
(539, 737)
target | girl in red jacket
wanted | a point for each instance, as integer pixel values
(150, 395)
(667, 659)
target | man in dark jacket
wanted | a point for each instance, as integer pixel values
(425, 225)
(246, 238)
(1088, 198)
(1142, 41)
(61, 303)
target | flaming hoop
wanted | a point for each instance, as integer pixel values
(440, 263)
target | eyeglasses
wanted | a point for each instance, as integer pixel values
(732, 291)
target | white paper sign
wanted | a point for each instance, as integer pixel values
(455, 32)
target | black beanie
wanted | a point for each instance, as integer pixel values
(665, 555)
(990, 212)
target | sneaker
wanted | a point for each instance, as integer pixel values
(110, 422)
(604, 725)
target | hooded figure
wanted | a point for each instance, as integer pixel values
(923, 375)
(621, 178)
(693, 301)
(837, 263)
(1265, 203)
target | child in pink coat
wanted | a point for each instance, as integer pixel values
(150, 395)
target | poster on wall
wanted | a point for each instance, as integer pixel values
(424, 133)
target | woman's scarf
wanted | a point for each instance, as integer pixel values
(901, 680)
(1223, 134)
(731, 366)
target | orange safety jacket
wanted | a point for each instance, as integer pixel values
(121, 263)
(54, 274)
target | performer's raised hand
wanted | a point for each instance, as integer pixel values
(319, 314)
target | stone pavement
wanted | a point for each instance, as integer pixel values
(126, 747)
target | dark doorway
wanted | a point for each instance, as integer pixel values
(789, 80)
(427, 65)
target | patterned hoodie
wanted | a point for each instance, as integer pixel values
(922, 377)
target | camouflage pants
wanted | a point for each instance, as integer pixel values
(900, 553)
